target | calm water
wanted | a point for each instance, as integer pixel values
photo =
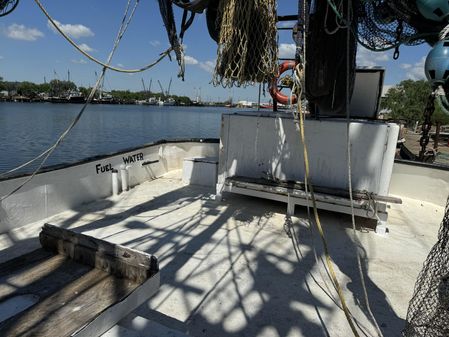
(27, 129)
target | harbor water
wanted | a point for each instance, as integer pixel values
(28, 129)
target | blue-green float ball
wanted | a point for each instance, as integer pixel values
(435, 10)
(437, 63)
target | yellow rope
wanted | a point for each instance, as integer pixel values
(90, 57)
(329, 263)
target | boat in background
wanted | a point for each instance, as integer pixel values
(76, 97)
(169, 102)
(149, 101)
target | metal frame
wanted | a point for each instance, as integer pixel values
(361, 208)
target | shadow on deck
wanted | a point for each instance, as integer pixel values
(229, 268)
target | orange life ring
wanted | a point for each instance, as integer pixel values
(275, 92)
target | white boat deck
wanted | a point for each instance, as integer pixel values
(229, 268)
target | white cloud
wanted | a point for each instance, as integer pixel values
(416, 72)
(75, 31)
(20, 32)
(405, 66)
(286, 24)
(120, 65)
(80, 61)
(155, 43)
(208, 66)
(190, 60)
(367, 58)
(287, 50)
(86, 48)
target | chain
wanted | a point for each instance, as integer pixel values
(399, 31)
(427, 125)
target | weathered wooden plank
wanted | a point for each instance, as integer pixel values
(78, 291)
(111, 258)
(285, 186)
(68, 310)
(24, 261)
(50, 275)
(118, 311)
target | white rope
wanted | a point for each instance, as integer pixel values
(444, 33)
(298, 78)
(90, 57)
(163, 55)
(356, 240)
(4, 174)
(123, 27)
(298, 85)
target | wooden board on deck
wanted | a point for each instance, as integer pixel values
(73, 299)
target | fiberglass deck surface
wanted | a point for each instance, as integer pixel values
(229, 268)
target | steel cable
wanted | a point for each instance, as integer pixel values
(90, 57)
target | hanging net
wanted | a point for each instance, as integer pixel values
(385, 24)
(247, 48)
(428, 311)
(330, 59)
(166, 9)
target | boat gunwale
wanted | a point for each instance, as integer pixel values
(60, 166)
(436, 166)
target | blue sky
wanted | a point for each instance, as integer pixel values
(30, 49)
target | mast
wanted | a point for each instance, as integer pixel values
(160, 85)
(169, 86)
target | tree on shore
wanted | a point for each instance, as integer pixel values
(407, 101)
(61, 88)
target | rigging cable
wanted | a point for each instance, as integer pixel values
(123, 27)
(444, 33)
(349, 316)
(288, 227)
(297, 86)
(162, 56)
(356, 241)
(318, 222)
(90, 57)
(299, 77)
